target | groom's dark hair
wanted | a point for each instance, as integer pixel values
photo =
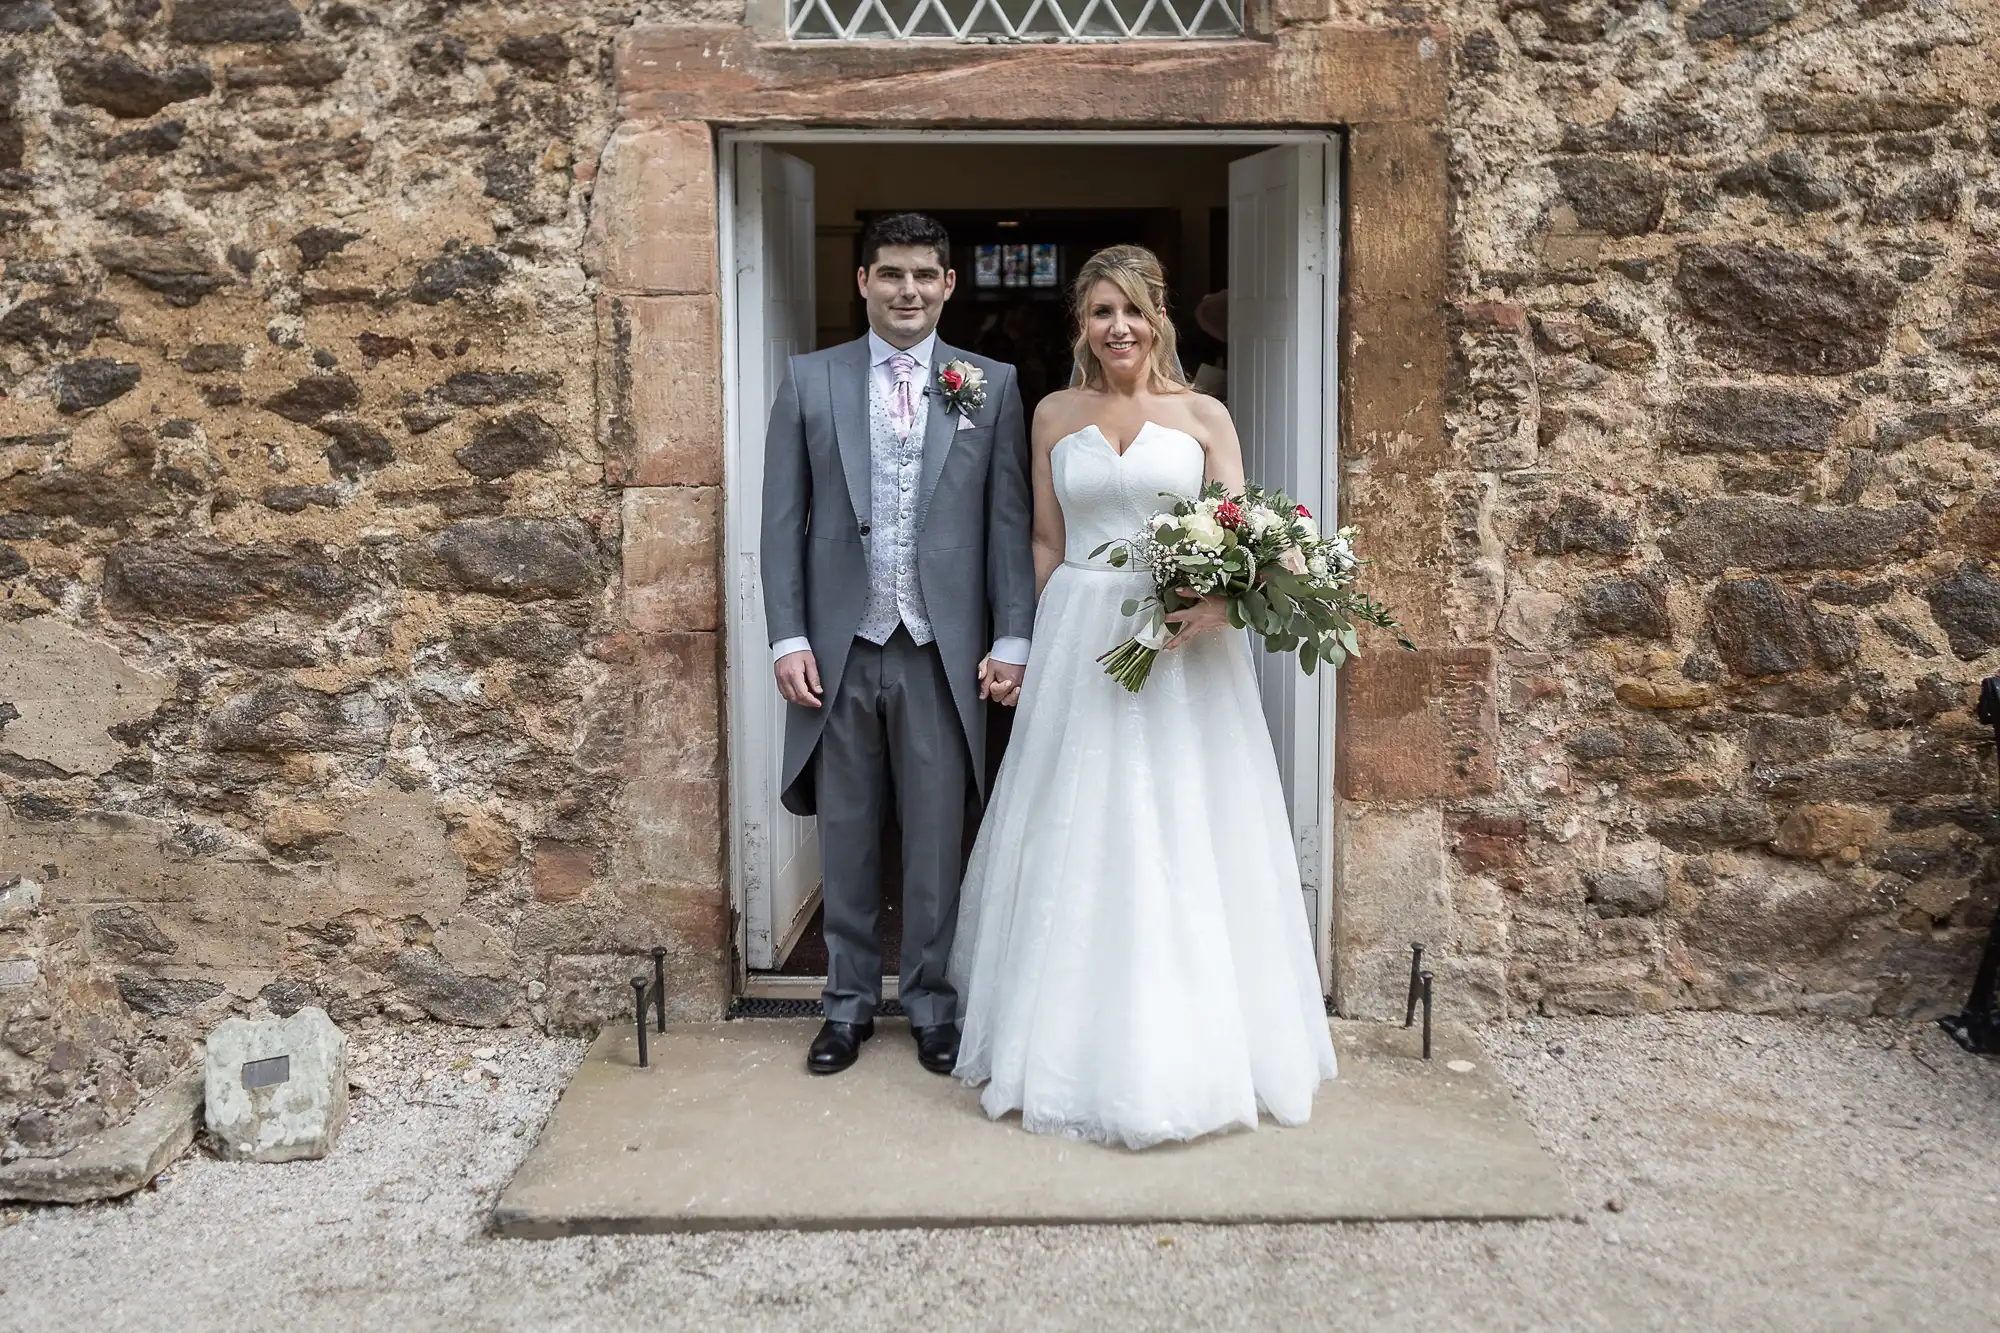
(905, 229)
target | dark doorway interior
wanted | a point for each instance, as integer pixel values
(1014, 273)
(1015, 267)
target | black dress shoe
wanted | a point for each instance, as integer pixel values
(838, 1045)
(937, 1047)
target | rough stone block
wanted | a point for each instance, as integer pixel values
(217, 21)
(520, 558)
(68, 691)
(1856, 113)
(1418, 726)
(1398, 200)
(1346, 74)
(1529, 617)
(1770, 536)
(676, 728)
(459, 271)
(19, 902)
(116, 1161)
(1740, 19)
(279, 716)
(1761, 910)
(1761, 628)
(276, 1089)
(126, 88)
(449, 996)
(176, 580)
(660, 404)
(1762, 308)
(564, 872)
(672, 556)
(1966, 606)
(592, 991)
(1621, 893)
(1393, 893)
(676, 830)
(171, 266)
(472, 948)
(1739, 418)
(1633, 607)
(1815, 831)
(509, 444)
(652, 217)
(93, 382)
(1720, 821)
(1580, 523)
(1613, 196)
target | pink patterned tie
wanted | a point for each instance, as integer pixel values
(903, 407)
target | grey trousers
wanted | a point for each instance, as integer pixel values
(892, 732)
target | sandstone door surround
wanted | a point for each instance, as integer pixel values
(1413, 732)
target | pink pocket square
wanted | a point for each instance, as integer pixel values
(965, 421)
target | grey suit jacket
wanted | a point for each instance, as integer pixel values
(974, 519)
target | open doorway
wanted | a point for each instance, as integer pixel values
(1252, 216)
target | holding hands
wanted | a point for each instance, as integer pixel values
(798, 680)
(1001, 681)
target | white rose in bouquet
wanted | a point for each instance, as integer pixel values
(1312, 610)
(1203, 531)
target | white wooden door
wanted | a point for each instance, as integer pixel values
(1280, 248)
(773, 259)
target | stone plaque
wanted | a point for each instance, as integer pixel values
(268, 1073)
(275, 1090)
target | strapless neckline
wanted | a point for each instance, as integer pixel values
(1093, 429)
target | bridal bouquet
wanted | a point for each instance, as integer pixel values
(1283, 578)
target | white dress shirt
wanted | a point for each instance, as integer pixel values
(1010, 651)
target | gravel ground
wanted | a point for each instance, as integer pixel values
(1738, 1173)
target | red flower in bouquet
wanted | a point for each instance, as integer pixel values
(1303, 512)
(1229, 514)
(952, 380)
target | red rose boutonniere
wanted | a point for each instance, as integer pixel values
(962, 385)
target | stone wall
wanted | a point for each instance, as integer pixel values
(1725, 491)
(309, 687)
(358, 618)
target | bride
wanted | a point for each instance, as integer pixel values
(1132, 949)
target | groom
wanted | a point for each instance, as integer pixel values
(899, 590)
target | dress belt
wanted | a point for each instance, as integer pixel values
(1100, 569)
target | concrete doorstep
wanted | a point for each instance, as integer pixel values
(726, 1130)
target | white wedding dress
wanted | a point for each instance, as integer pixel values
(1132, 955)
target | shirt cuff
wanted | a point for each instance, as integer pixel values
(786, 647)
(1011, 652)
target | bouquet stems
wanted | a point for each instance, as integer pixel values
(1130, 663)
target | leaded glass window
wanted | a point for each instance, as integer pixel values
(1012, 20)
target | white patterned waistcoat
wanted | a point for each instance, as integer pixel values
(897, 466)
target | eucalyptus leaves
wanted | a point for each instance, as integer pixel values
(1286, 581)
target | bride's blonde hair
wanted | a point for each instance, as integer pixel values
(1135, 271)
